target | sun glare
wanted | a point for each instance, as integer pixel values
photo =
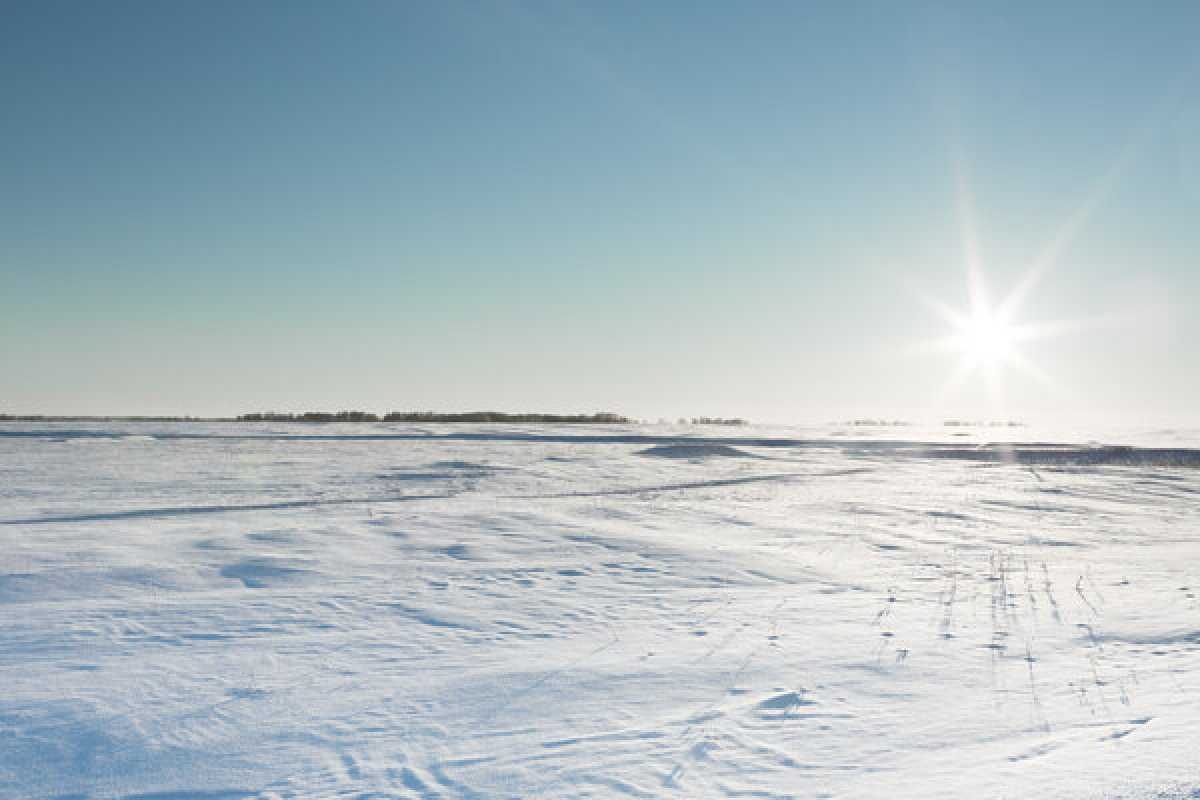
(985, 338)
(987, 335)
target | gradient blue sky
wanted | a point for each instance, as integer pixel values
(654, 208)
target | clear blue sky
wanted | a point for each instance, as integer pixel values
(655, 208)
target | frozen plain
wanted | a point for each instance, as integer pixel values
(370, 611)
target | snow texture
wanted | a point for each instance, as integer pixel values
(388, 611)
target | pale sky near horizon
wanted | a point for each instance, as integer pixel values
(659, 209)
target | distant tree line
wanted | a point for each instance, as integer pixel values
(84, 418)
(309, 416)
(604, 417)
(719, 421)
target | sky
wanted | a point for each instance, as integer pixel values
(661, 209)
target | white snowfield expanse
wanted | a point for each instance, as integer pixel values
(381, 611)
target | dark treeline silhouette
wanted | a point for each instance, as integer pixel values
(719, 421)
(604, 417)
(310, 416)
(430, 416)
(84, 418)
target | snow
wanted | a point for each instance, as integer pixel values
(235, 611)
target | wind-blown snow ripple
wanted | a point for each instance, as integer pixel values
(373, 611)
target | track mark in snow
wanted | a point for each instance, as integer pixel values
(176, 511)
(1083, 597)
(550, 675)
(1048, 588)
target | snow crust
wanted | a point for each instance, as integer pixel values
(371, 611)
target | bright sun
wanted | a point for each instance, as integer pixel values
(985, 338)
(988, 337)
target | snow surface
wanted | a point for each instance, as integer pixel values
(229, 611)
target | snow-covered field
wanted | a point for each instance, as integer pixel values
(227, 611)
